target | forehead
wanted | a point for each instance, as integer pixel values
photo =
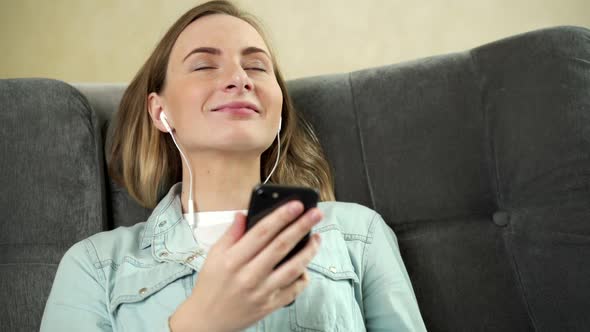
(222, 31)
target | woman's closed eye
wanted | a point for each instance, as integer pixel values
(204, 68)
(256, 69)
(256, 65)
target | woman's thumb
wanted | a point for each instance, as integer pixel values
(234, 232)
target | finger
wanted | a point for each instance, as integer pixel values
(291, 292)
(292, 269)
(281, 245)
(265, 230)
(234, 233)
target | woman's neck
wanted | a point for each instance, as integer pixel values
(220, 183)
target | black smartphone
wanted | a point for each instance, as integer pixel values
(266, 198)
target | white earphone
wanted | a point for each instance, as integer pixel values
(164, 120)
(191, 211)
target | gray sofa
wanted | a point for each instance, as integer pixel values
(479, 160)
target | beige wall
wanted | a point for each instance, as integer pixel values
(108, 40)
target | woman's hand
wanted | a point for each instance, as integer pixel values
(237, 285)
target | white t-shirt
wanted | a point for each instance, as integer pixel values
(210, 226)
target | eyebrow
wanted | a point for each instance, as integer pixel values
(216, 51)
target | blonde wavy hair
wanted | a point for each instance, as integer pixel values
(145, 161)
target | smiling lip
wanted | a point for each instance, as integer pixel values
(237, 107)
(237, 111)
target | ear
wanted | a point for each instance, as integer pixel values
(156, 106)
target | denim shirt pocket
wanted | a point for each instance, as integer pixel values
(143, 297)
(328, 302)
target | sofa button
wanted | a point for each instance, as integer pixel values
(163, 254)
(162, 223)
(332, 269)
(501, 218)
(142, 291)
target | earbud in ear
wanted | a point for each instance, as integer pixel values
(164, 120)
(280, 123)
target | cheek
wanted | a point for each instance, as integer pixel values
(188, 100)
(273, 98)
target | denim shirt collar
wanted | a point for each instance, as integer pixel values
(166, 224)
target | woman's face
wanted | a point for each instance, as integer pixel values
(220, 91)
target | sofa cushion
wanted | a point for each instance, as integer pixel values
(51, 184)
(536, 101)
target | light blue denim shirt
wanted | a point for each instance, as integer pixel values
(134, 278)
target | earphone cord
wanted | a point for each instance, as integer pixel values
(191, 213)
(277, 161)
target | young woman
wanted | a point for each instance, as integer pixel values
(205, 119)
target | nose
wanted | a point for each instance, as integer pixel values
(238, 81)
